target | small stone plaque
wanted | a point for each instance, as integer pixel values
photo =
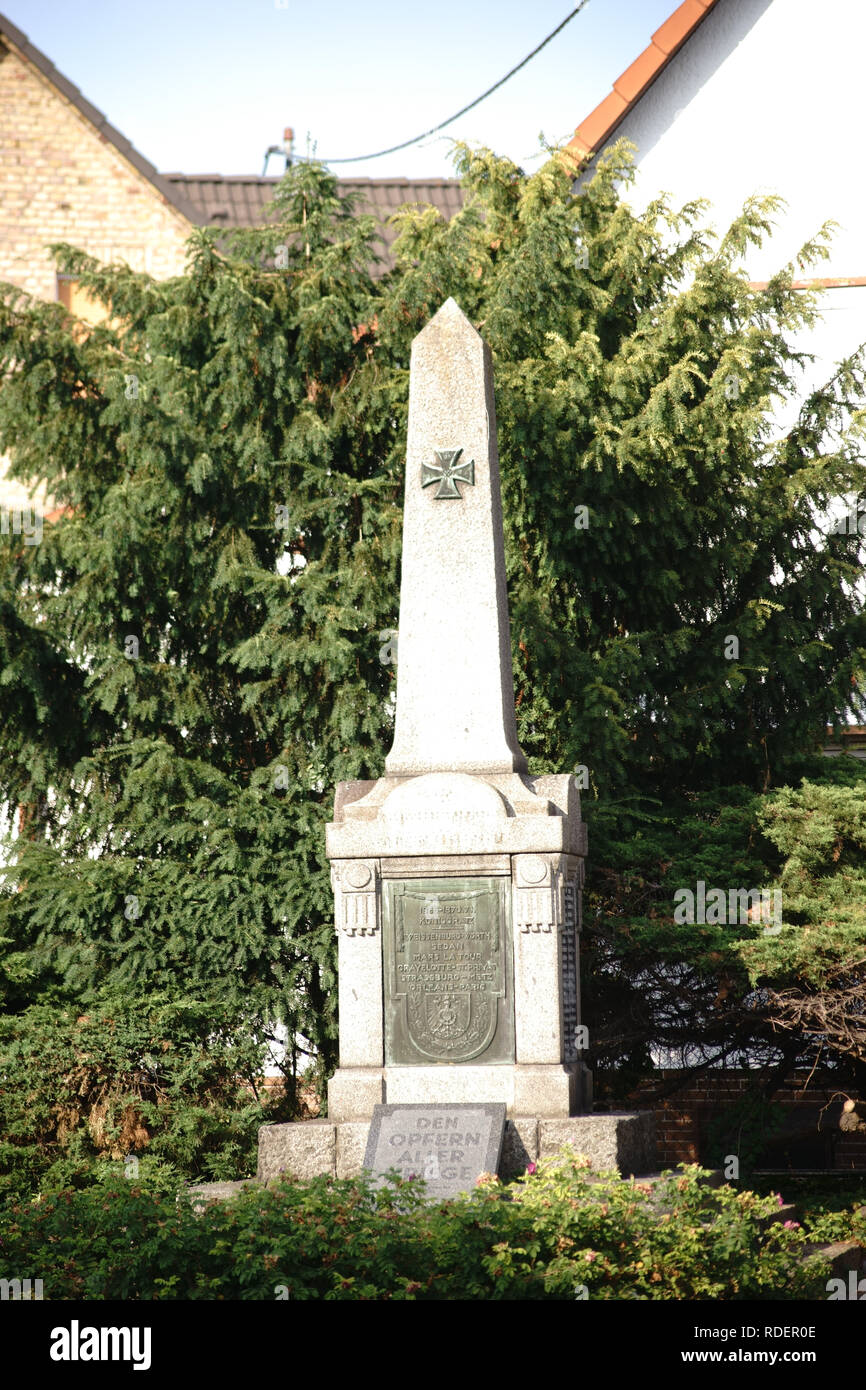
(446, 1145)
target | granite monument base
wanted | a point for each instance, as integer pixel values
(621, 1141)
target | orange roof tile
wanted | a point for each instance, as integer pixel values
(606, 116)
(680, 24)
(630, 86)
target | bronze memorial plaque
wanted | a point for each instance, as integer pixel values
(448, 970)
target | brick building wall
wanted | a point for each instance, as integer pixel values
(60, 180)
(63, 178)
(684, 1122)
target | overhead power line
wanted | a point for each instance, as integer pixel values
(358, 158)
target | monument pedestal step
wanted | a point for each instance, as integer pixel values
(547, 1090)
(624, 1141)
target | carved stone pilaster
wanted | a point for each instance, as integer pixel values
(356, 898)
(538, 899)
(357, 917)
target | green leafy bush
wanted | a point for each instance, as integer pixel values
(173, 1081)
(832, 1205)
(557, 1233)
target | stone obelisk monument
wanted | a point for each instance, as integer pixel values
(457, 876)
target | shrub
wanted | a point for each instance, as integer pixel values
(558, 1233)
(173, 1081)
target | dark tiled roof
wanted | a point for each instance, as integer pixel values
(239, 200)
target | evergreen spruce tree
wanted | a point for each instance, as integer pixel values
(202, 644)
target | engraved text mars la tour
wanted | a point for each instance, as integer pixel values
(442, 958)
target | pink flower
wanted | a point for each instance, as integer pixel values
(780, 1199)
(590, 1256)
(532, 1167)
(792, 1225)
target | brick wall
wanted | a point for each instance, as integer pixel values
(683, 1122)
(60, 180)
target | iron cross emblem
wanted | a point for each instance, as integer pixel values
(447, 472)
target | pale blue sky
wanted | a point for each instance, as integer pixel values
(206, 85)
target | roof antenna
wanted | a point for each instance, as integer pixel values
(286, 149)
